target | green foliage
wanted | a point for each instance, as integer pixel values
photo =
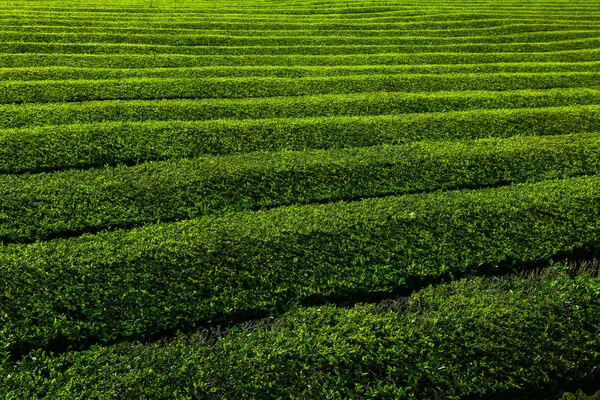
(88, 145)
(172, 165)
(62, 73)
(139, 283)
(515, 338)
(93, 24)
(181, 88)
(41, 206)
(174, 60)
(303, 49)
(356, 104)
(156, 38)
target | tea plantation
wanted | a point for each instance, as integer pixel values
(299, 199)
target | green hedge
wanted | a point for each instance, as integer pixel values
(160, 278)
(173, 60)
(88, 145)
(247, 22)
(354, 104)
(427, 13)
(295, 22)
(337, 7)
(354, 9)
(515, 338)
(430, 18)
(148, 88)
(64, 73)
(45, 205)
(105, 48)
(50, 25)
(277, 39)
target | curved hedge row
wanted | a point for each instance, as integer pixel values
(347, 13)
(42, 206)
(148, 88)
(44, 25)
(292, 23)
(421, 13)
(106, 48)
(517, 338)
(64, 73)
(350, 9)
(353, 104)
(291, 40)
(174, 60)
(88, 145)
(141, 283)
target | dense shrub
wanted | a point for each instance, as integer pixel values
(579, 395)
(63, 73)
(356, 104)
(156, 38)
(90, 145)
(42, 206)
(174, 60)
(515, 338)
(148, 88)
(139, 283)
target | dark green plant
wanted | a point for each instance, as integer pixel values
(508, 338)
(174, 88)
(356, 104)
(91, 145)
(160, 278)
(43, 206)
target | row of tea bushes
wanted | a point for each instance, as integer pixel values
(354, 104)
(513, 338)
(72, 73)
(141, 283)
(46, 148)
(237, 88)
(13, 60)
(42, 206)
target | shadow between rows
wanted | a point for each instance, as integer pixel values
(6, 241)
(218, 326)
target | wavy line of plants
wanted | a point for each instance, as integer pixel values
(135, 285)
(182, 88)
(46, 206)
(353, 104)
(181, 60)
(44, 148)
(430, 329)
(112, 48)
(70, 73)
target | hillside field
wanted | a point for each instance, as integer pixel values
(299, 199)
